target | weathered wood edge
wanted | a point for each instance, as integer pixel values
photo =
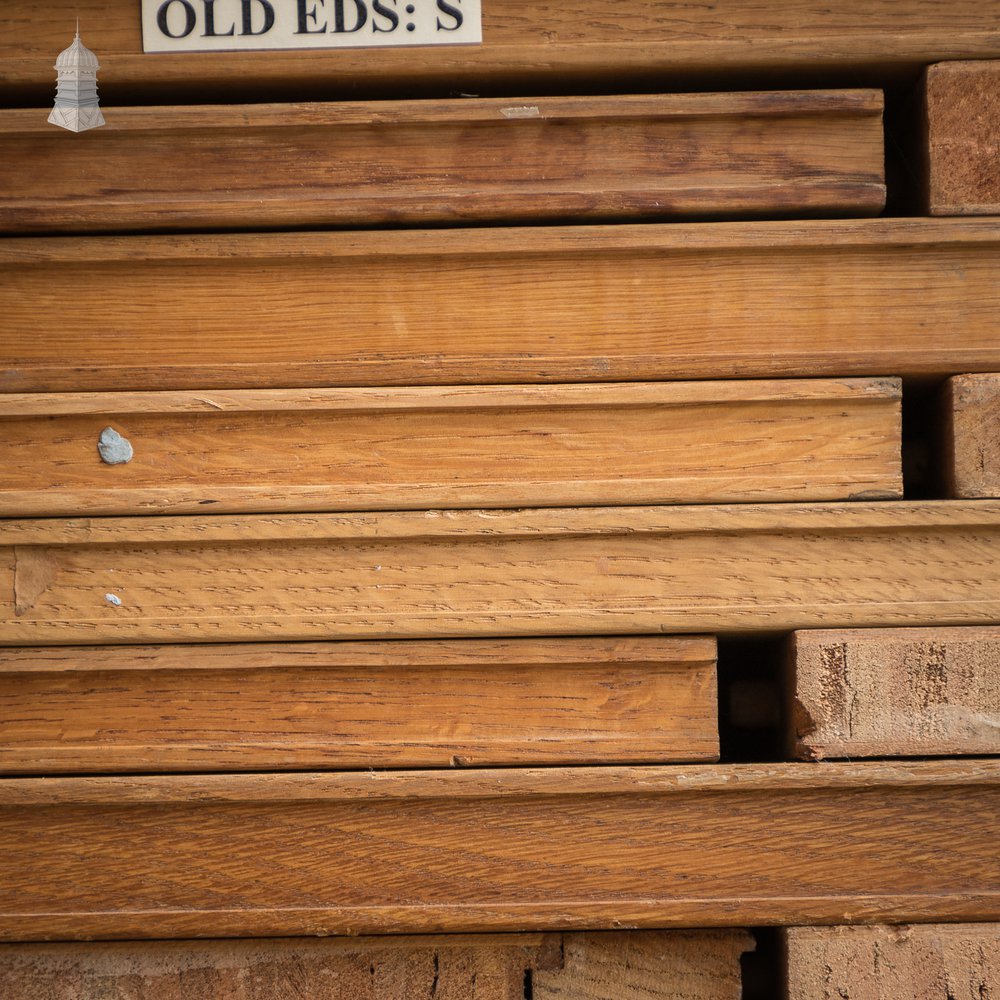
(764, 104)
(581, 521)
(512, 783)
(500, 241)
(453, 397)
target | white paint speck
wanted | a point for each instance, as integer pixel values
(113, 599)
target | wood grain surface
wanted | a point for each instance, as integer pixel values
(962, 138)
(616, 303)
(637, 965)
(524, 44)
(351, 449)
(352, 705)
(895, 692)
(632, 965)
(246, 167)
(972, 435)
(556, 848)
(932, 962)
(741, 568)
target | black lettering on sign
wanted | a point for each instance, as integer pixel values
(452, 11)
(380, 9)
(340, 20)
(210, 31)
(248, 17)
(163, 15)
(306, 14)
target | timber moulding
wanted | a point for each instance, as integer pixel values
(560, 848)
(612, 303)
(624, 157)
(462, 446)
(739, 568)
(287, 706)
(524, 43)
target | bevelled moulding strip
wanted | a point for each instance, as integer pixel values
(537, 44)
(679, 965)
(740, 568)
(560, 848)
(352, 705)
(900, 692)
(613, 303)
(529, 159)
(512, 446)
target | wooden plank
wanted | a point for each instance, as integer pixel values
(637, 965)
(523, 45)
(972, 435)
(962, 138)
(261, 166)
(482, 967)
(617, 303)
(451, 851)
(274, 450)
(352, 705)
(672, 965)
(741, 568)
(933, 962)
(895, 692)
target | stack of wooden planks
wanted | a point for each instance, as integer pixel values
(384, 481)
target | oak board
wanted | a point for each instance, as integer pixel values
(367, 449)
(614, 303)
(524, 44)
(902, 692)
(453, 851)
(290, 706)
(677, 965)
(739, 568)
(465, 160)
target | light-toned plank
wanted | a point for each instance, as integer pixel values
(271, 450)
(523, 44)
(962, 138)
(895, 692)
(934, 962)
(615, 303)
(351, 705)
(577, 571)
(972, 435)
(634, 965)
(260, 166)
(639, 965)
(483, 967)
(555, 849)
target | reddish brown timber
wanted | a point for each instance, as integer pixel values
(972, 435)
(262, 166)
(512, 446)
(962, 139)
(524, 44)
(671, 965)
(741, 568)
(932, 962)
(351, 705)
(903, 692)
(455, 850)
(565, 304)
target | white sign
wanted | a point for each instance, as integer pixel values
(239, 25)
